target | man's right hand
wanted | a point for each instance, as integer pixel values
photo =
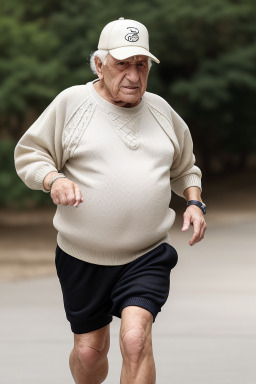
(63, 191)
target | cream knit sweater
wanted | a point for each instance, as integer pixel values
(126, 161)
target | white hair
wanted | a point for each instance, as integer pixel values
(102, 55)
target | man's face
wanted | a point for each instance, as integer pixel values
(124, 82)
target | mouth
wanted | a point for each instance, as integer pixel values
(131, 88)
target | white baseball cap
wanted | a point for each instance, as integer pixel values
(124, 38)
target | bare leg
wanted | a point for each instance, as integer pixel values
(88, 359)
(136, 347)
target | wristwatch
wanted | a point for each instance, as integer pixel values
(199, 204)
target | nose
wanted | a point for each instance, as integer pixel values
(133, 74)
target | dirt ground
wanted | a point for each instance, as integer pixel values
(28, 238)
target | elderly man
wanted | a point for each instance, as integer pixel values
(110, 154)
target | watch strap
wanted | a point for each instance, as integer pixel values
(199, 204)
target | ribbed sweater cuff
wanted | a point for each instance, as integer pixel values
(179, 185)
(40, 175)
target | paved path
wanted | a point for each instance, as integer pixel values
(205, 334)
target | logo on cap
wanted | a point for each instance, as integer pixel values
(133, 35)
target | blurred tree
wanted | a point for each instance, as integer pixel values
(207, 71)
(209, 74)
(28, 68)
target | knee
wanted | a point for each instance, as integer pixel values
(90, 357)
(134, 344)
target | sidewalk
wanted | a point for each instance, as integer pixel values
(205, 333)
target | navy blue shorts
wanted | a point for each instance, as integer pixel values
(93, 294)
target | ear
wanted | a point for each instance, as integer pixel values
(98, 65)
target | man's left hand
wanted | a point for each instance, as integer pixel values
(194, 215)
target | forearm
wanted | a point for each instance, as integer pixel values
(40, 150)
(192, 193)
(194, 215)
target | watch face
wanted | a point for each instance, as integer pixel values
(203, 207)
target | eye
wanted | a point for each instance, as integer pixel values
(141, 65)
(122, 65)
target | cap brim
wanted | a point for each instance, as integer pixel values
(125, 52)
